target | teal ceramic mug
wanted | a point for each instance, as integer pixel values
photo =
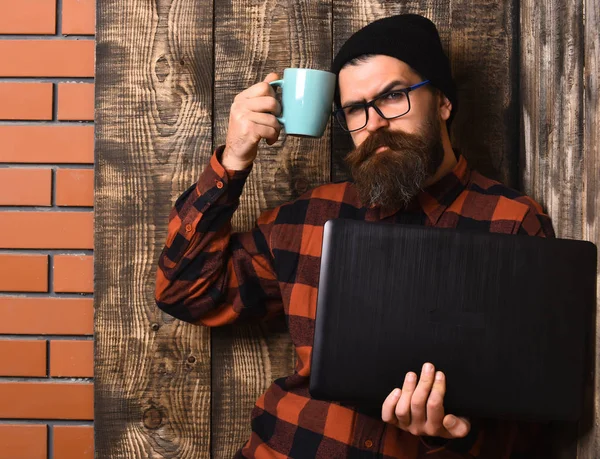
(306, 98)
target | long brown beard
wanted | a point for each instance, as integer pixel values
(392, 178)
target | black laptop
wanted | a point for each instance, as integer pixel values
(507, 318)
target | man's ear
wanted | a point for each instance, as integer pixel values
(445, 106)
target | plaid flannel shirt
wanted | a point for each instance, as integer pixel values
(211, 276)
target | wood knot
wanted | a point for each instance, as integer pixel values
(301, 185)
(155, 327)
(191, 359)
(162, 69)
(152, 418)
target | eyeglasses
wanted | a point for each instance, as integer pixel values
(390, 105)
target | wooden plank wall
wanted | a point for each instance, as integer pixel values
(560, 155)
(167, 72)
(253, 39)
(154, 114)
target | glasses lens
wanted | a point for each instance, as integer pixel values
(393, 104)
(353, 117)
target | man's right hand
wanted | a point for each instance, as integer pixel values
(251, 118)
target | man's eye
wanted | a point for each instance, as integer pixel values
(395, 95)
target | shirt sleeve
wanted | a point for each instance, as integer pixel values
(536, 222)
(207, 274)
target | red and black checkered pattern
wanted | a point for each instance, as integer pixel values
(211, 276)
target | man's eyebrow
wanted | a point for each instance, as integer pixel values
(383, 91)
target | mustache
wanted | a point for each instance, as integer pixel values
(395, 141)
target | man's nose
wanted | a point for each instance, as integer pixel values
(376, 121)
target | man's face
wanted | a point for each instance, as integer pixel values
(392, 177)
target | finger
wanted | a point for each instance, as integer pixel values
(402, 412)
(268, 133)
(389, 406)
(456, 427)
(435, 402)
(263, 104)
(260, 89)
(264, 119)
(271, 77)
(418, 404)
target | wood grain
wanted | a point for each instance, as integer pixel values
(589, 444)
(553, 160)
(484, 59)
(552, 109)
(252, 39)
(153, 136)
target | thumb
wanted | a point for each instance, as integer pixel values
(271, 77)
(457, 427)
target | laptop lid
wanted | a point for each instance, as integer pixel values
(507, 318)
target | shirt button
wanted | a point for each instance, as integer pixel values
(188, 227)
(368, 443)
(219, 184)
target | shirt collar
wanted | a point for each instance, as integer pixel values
(435, 198)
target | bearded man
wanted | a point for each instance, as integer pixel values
(396, 97)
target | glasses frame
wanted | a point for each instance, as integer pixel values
(371, 103)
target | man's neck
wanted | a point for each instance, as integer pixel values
(448, 163)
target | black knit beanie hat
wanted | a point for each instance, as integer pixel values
(410, 38)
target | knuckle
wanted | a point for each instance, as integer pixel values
(414, 430)
(401, 415)
(264, 86)
(434, 403)
(417, 404)
(430, 431)
(401, 420)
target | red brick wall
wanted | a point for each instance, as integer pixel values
(46, 228)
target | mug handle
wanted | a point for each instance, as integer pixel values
(279, 84)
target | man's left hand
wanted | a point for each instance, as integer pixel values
(419, 408)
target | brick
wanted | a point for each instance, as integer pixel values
(23, 273)
(76, 101)
(46, 316)
(46, 400)
(22, 357)
(47, 144)
(28, 17)
(47, 58)
(78, 17)
(74, 187)
(72, 358)
(23, 441)
(47, 230)
(74, 273)
(73, 442)
(25, 187)
(25, 101)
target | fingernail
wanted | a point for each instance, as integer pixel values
(396, 393)
(452, 422)
(411, 377)
(439, 376)
(428, 368)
